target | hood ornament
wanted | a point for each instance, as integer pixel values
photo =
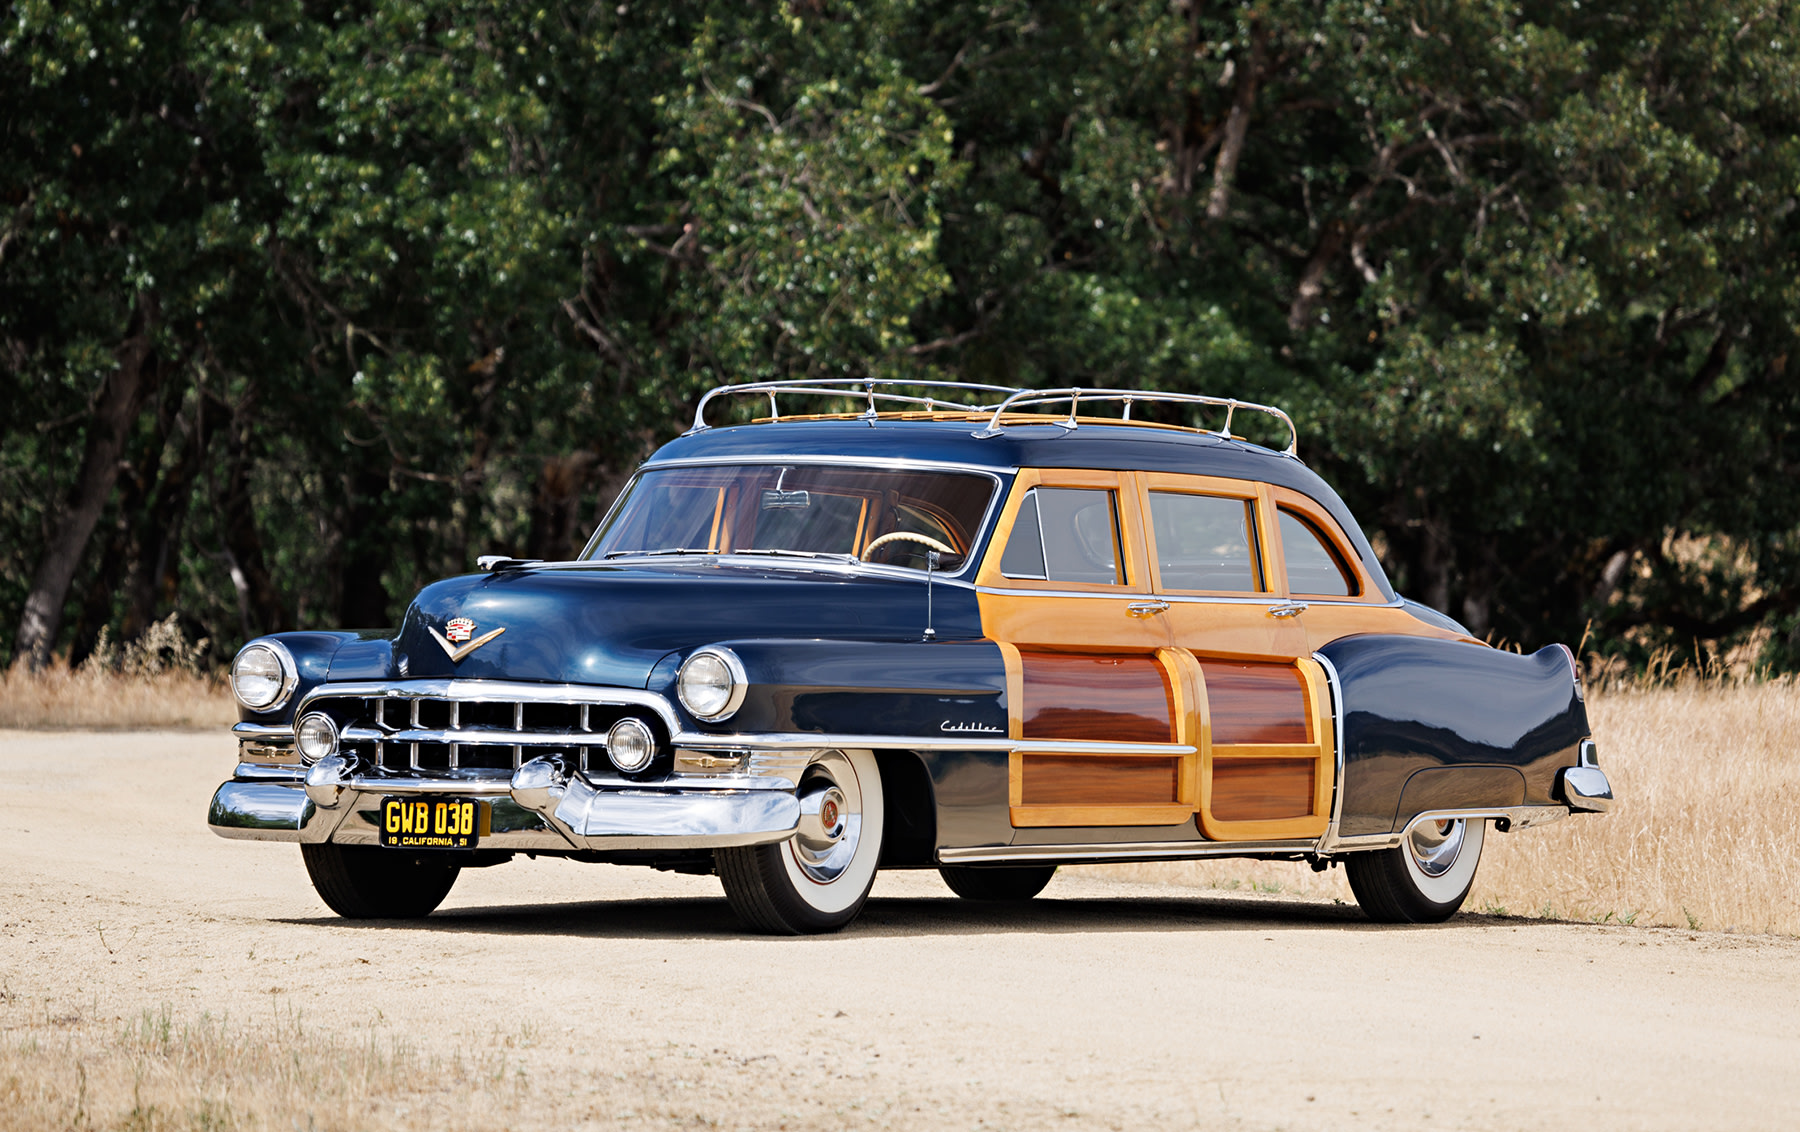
(460, 629)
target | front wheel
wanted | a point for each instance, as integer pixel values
(1010, 882)
(817, 880)
(363, 882)
(1424, 879)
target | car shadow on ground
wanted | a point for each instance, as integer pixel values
(691, 917)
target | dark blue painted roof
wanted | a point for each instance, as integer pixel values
(1112, 447)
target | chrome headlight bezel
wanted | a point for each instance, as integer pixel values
(314, 719)
(284, 660)
(695, 703)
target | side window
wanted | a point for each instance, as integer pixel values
(1065, 534)
(1313, 565)
(1204, 542)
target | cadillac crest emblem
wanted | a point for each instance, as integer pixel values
(456, 631)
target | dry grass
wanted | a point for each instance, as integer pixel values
(161, 1073)
(101, 699)
(156, 682)
(1708, 778)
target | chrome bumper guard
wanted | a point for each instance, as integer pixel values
(539, 807)
(1585, 788)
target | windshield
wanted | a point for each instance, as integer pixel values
(877, 515)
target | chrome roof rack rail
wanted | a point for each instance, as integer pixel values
(1074, 396)
(887, 391)
(874, 390)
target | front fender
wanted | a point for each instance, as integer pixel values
(898, 688)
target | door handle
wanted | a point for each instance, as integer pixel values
(1146, 608)
(1287, 609)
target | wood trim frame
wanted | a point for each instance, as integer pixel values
(1288, 498)
(1130, 532)
(1189, 711)
(1322, 750)
(1218, 486)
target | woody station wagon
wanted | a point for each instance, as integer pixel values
(987, 638)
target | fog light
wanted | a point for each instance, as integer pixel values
(711, 683)
(630, 745)
(316, 736)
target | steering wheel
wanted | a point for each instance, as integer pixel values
(906, 536)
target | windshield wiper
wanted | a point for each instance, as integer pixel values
(814, 554)
(611, 554)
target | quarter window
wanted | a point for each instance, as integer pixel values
(1065, 534)
(1204, 542)
(1313, 564)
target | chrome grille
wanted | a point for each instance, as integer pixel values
(396, 729)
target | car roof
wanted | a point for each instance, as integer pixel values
(953, 439)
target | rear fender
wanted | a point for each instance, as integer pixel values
(1431, 725)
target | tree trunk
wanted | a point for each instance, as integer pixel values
(243, 542)
(114, 410)
(156, 572)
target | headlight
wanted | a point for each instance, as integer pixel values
(263, 676)
(316, 736)
(711, 683)
(630, 745)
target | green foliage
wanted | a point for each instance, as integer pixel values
(424, 280)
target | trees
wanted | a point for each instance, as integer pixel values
(416, 281)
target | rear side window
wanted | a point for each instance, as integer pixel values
(1313, 564)
(1204, 542)
(1065, 534)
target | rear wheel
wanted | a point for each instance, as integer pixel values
(817, 880)
(364, 882)
(1010, 882)
(1425, 878)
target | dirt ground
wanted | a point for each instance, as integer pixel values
(1102, 1004)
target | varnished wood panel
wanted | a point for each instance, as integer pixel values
(1090, 780)
(1262, 789)
(1119, 699)
(1255, 702)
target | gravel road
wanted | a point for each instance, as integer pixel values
(1101, 1004)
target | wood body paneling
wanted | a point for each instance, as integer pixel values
(1087, 780)
(1115, 699)
(1254, 702)
(1260, 789)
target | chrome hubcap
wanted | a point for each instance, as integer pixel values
(830, 819)
(1435, 845)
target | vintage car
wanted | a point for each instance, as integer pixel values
(981, 630)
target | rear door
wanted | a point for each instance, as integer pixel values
(1265, 738)
(1104, 709)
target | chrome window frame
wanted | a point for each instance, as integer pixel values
(977, 540)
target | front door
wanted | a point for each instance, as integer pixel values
(1106, 713)
(1266, 760)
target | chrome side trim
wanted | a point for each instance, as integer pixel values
(272, 733)
(1122, 851)
(808, 741)
(1328, 841)
(1516, 817)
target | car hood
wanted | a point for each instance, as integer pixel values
(610, 624)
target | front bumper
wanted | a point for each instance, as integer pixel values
(537, 809)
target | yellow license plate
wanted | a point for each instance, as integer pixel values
(432, 823)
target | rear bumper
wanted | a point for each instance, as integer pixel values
(534, 816)
(1585, 789)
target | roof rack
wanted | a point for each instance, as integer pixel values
(884, 391)
(1074, 396)
(873, 389)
